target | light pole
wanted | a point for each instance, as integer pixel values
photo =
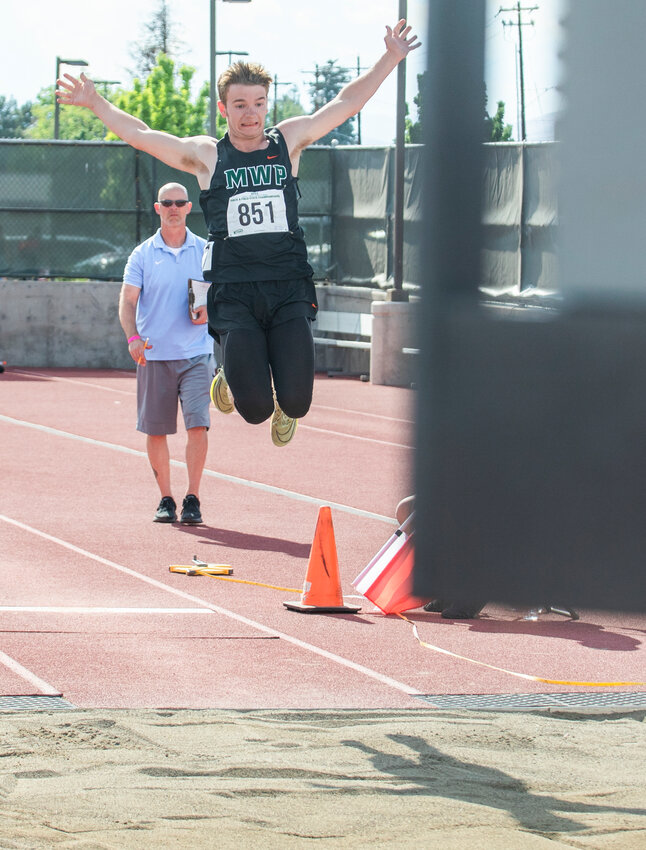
(60, 62)
(231, 53)
(212, 87)
(397, 293)
(105, 84)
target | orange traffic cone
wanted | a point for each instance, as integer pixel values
(322, 586)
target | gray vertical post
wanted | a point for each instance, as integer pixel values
(521, 74)
(138, 202)
(397, 292)
(57, 105)
(453, 167)
(454, 160)
(213, 98)
(359, 112)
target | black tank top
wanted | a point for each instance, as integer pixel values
(251, 212)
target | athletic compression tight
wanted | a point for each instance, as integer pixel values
(252, 355)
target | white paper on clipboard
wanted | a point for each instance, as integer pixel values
(197, 290)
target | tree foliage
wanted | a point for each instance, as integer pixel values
(328, 81)
(163, 101)
(14, 119)
(73, 123)
(414, 130)
(495, 129)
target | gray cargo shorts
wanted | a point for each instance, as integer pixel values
(161, 383)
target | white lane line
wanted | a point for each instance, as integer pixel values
(72, 381)
(232, 479)
(43, 686)
(362, 413)
(316, 650)
(48, 609)
(353, 436)
(133, 393)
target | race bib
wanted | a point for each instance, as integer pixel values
(257, 212)
(207, 257)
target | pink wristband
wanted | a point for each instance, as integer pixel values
(133, 338)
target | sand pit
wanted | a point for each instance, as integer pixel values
(276, 779)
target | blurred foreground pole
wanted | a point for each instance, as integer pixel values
(531, 435)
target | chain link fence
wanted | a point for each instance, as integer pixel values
(77, 209)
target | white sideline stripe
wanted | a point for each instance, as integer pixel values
(132, 393)
(44, 609)
(232, 479)
(71, 381)
(361, 413)
(43, 686)
(330, 656)
(352, 436)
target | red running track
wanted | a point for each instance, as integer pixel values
(90, 611)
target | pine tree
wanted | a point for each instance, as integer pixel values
(328, 82)
(159, 36)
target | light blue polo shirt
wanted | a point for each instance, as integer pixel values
(162, 308)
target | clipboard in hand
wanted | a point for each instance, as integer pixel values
(197, 290)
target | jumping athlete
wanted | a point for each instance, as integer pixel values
(262, 298)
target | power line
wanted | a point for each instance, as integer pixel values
(518, 10)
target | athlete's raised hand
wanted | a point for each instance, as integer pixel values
(398, 40)
(76, 92)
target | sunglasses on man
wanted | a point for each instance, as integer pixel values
(167, 203)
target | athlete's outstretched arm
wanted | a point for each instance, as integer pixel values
(195, 154)
(306, 129)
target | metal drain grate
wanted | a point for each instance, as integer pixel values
(34, 703)
(524, 702)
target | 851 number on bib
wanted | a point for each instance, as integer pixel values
(257, 212)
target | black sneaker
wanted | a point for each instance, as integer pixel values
(435, 606)
(191, 510)
(461, 611)
(167, 510)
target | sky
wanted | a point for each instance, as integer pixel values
(290, 37)
(542, 41)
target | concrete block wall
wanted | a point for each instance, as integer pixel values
(393, 330)
(62, 324)
(76, 324)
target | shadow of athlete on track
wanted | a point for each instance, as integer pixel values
(591, 635)
(240, 540)
(429, 771)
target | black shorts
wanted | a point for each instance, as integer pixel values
(263, 304)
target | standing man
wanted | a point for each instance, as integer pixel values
(263, 298)
(172, 349)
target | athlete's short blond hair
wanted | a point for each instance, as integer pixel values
(245, 73)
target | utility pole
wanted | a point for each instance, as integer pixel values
(317, 105)
(358, 69)
(276, 84)
(317, 95)
(518, 9)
